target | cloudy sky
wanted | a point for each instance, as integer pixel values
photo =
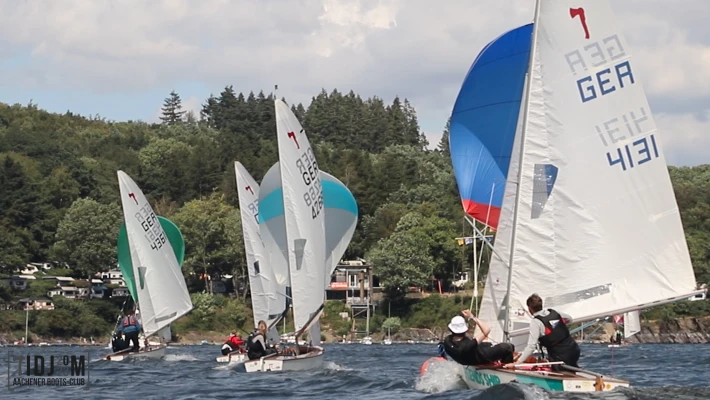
(120, 58)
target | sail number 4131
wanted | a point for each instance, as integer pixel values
(631, 155)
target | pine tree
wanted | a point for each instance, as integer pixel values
(443, 146)
(172, 110)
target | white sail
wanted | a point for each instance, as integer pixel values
(632, 324)
(340, 218)
(166, 333)
(493, 299)
(266, 304)
(162, 292)
(304, 216)
(598, 228)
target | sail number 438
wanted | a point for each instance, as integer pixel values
(151, 228)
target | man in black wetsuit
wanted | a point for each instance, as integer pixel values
(473, 351)
(549, 327)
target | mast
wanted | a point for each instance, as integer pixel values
(533, 47)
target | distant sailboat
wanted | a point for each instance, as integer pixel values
(589, 199)
(305, 237)
(161, 293)
(389, 329)
(631, 322)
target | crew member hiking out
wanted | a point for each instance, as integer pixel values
(256, 343)
(549, 328)
(467, 351)
(130, 328)
(233, 343)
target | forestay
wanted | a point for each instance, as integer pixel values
(304, 216)
(161, 289)
(598, 229)
(267, 305)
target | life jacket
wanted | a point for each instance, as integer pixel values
(234, 342)
(254, 349)
(557, 339)
(129, 321)
(464, 352)
(250, 339)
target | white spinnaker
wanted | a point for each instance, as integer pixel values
(160, 285)
(304, 215)
(595, 236)
(340, 218)
(267, 306)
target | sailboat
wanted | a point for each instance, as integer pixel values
(341, 214)
(389, 329)
(632, 325)
(588, 218)
(304, 215)
(262, 283)
(161, 293)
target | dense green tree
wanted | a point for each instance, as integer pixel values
(213, 245)
(443, 145)
(87, 235)
(50, 161)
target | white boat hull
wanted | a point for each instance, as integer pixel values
(310, 358)
(485, 377)
(234, 357)
(151, 352)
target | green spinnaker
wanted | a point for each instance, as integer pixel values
(124, 251)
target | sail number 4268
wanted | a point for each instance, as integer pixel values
(314, 198)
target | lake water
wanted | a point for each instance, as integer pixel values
(360, 372)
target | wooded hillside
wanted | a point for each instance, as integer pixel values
(59, 196)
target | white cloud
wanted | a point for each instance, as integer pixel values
(417, 49)
(685, 137)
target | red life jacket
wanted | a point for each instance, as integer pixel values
(129, 321)
(235, 342)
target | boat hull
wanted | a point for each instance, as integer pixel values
(310, 358)
(234, 357)
(485, 377)
(151, 352)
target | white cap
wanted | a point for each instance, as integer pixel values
(458, 325)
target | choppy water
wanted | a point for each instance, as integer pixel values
(363, 372)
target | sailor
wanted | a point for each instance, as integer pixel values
(256, 343)
(233, 343)
(549, 328)
(117, 343)
(130, 328)
(616, 338)
(467, 351)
